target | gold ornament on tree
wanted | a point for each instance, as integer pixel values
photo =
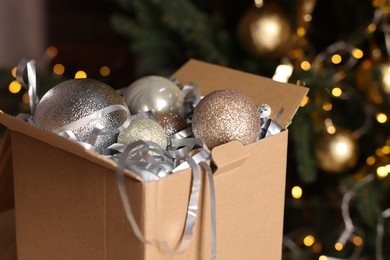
(265, 30)
(373, 81)
(336, 150)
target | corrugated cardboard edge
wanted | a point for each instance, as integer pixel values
(20, 126)
(278, 95)
(6, 178)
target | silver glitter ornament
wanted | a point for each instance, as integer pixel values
(226, 115)
(143, 129)
(74, 99)
(171, 122)
(154, 93)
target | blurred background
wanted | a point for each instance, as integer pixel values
(337, 190)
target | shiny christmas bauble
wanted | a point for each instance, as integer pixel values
(171, 122)
(373, 81)
(265, 31)
(338, 152)
(143, 129)
(154, 93)
(75, 99)
(226, 115)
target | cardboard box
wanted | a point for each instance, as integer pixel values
(67, 203)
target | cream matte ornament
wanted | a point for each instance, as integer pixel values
(171, 122)
(143, 129)
(156, 94)
(75, 99)
(226, 115)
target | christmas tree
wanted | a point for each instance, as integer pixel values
(337, 184)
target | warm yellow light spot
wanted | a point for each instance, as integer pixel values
(329, 126)
(259, 3)
(357, 241)
(80, 75)
(370, 160)
(336, 58)
(338, 246)
(382, 172)
(296, 192)
(371, 27)
(25, 98)
(305, 65)
(381, 118)
(105, 71)
(52, 51)
(379, 152)
(327, 106)
(309, 240)
(357, 53)
(322, 257)
(336, 91)
(13, 72)
(305, 101)
(58, 69)
(14, 87)
(301, 31)
(386, 149)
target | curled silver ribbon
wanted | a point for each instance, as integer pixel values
(31, 84)
(192, 208)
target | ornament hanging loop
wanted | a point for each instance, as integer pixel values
(28, 81)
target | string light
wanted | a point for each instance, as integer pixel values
(58, 69)
(51, 51)
(25, 98)
(80, 75)
(305, 65)
(14, 87)
(336, 91)
(381, 118)
(382, 172)
(13, 72)
(327, 106)
(308, 240)
(304, 101)
(370, 160)
(357, 53)
(336, 59)
(104, 71)
(296, 192)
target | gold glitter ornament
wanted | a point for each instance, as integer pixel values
(226, 115)
(338, 152)
(143, 129)
(154, 93)
(171, 122)
(265, 31)
(75, 99)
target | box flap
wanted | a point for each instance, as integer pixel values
(20, 126)
(262, 90)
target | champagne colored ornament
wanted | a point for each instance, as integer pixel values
(143, 129)
(338, 152)
(154, 93)
(171, 122)
(265, 31)
(373, 81)
(75, 99)
(226, 115)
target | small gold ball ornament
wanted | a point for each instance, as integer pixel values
(265, 31)
(338, 152)
(226, 115)
(373, 81)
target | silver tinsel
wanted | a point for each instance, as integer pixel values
(74, 99)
